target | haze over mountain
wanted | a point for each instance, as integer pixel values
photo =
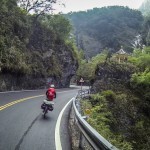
(145, 7)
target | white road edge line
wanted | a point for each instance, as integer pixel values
(57, 133)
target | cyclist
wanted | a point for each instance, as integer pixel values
(51, 93)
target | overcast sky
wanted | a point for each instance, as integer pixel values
(77, 5)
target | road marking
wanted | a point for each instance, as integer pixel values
(23, 99)
(18, 101)
(57, 133)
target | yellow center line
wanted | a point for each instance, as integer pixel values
(18, 101)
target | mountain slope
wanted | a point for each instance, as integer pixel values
(33, 52)
(108, 27)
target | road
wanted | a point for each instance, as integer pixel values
(22, 126)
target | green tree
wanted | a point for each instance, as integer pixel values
(39, 7)
(59, 24)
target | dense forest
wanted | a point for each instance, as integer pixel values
(107, 27)
(34, 47)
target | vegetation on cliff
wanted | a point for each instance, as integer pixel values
(121, 103)
(34, 46)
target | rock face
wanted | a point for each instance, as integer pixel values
(68, 67)
(49, 60)
(16, 82)
(66, 62)
(112, 76)
(90, 45)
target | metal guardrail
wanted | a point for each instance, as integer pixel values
(96, 141)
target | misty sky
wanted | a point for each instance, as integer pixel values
(77, 5)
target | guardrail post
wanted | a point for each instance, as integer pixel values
(82, 145)
(80, 141)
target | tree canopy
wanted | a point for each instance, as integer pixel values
(30, 48)
(38, 7)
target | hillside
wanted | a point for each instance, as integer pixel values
(34, 50)
(106, 28)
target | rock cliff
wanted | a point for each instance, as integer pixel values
(48, 59)
(112, 76)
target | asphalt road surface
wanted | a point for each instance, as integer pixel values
(22, 125)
